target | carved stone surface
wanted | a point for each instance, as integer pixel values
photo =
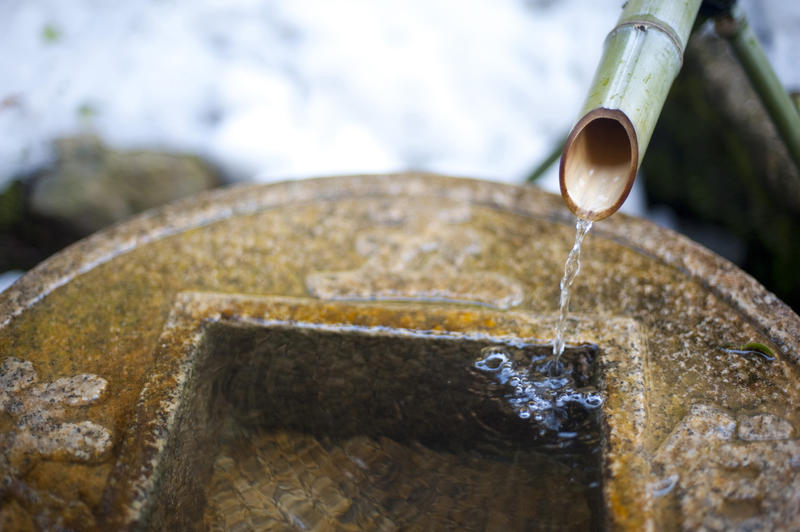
(39, 410)
(726, 479)
(98, 344)
(419, 257)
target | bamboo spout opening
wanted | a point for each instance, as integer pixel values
(599, 163)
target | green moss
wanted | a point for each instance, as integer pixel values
(11, 205)
(759, 347)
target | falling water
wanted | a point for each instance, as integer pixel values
(543, 390)
(571, 269)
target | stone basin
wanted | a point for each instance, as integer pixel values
(301, 356)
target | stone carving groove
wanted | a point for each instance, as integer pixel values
(39, 409)
(413, 254)
(40, 432)
(733, 472)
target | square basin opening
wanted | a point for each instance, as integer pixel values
(303, 427)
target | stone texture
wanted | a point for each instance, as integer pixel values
(729, 480)
(102, 309)
(760, 427)
(39, 411)
(319, 493)
(418, 258)
(92, 186)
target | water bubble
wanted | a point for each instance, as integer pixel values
(494, 349)
(663, 486)
(494, 359)
(539, 403)
(593, 401)
(533, 394)
(556, 383)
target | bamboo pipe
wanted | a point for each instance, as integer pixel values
(641, 58)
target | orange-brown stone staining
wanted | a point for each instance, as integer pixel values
(43, 428)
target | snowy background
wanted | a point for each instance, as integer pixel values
(269, 90)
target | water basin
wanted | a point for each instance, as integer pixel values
(339, 423)
(164, 372)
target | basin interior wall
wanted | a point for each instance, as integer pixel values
(353, 429)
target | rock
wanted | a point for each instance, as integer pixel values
(92, 186)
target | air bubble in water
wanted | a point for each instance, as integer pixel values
(532, 392)
(493, 359)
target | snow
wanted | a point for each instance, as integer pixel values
(288, 89)
(272, 90)
(8, 278)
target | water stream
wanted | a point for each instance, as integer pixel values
(542, 389)
(571, 269)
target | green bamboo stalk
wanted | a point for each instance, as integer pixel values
(735, 28)
(641, 58)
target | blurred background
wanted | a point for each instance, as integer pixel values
(107, 109)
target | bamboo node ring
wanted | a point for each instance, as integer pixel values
(645, 23)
